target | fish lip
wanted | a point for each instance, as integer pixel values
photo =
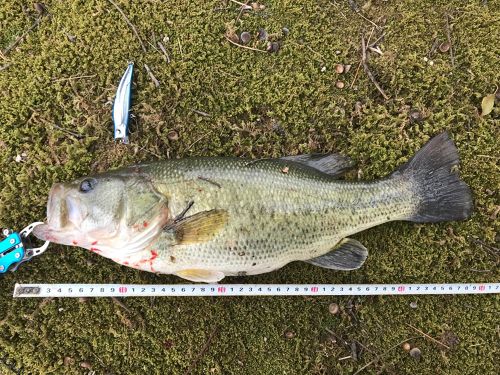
(56, 207)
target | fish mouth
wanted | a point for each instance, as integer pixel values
(57, 211)
(63, 215)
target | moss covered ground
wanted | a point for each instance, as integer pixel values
(56, 89)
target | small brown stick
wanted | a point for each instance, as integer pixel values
(202, 352)
(121, 304)
(376, 41)
(243, 5)
(429, 337)
(242, 46)
(201, 113)
(180, 48)
(72, 78)
(361, 62)
(383, 354)
(367, 70)
(130, 24)
(21, 37)
(196, 141)
(78, 136)
(151, 75)
(163, 49)
(448, 33)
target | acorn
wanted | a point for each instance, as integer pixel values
(86, 365)
(416, 353)
(406, 347)
(262, 35)
(273, 47)
(340, 85)
(245, 37)
(339, 68)
(444, 47)
(333, 308)
(40, 8)
(415, 116)
(173, 135)
(289, 335)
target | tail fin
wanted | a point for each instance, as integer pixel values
(443, 195)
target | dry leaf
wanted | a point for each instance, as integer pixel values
(487, 104)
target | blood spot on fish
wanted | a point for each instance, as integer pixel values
(94, 243)
(95, 249)
(145, 224)
(154, 255)
(125, 263)
(172, 259)
(75, 242)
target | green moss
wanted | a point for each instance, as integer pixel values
(260, 105)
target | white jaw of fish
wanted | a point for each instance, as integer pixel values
(69, 223)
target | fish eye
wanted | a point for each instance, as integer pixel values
(87, 185)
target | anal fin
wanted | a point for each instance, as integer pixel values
(200, 275)
(347, 255)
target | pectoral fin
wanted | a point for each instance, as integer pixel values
(348, 255)
(200, 227)
(200, 275)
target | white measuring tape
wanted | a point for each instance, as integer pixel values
(201, 290)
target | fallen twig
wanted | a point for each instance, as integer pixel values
(165, 53)
(74, 77)
(361, 61)
(429, 337)
(378, 356)
(367, 69)
(201, 113)
(448, 33)
(243, 5)
(21, 37)
(202, 352)
(130, 24)
(151, 75)
(355, 8)
(242, 46)
(121, 304)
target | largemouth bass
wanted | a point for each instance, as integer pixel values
(206, 218)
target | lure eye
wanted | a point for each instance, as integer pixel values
(87, 185)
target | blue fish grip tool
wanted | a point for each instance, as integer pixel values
(16, 248)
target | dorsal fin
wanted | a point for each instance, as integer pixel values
(332, 164)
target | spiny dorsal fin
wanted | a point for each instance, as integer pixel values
(200, 227)
(348, 255)
(199, 275)
(332, 164)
